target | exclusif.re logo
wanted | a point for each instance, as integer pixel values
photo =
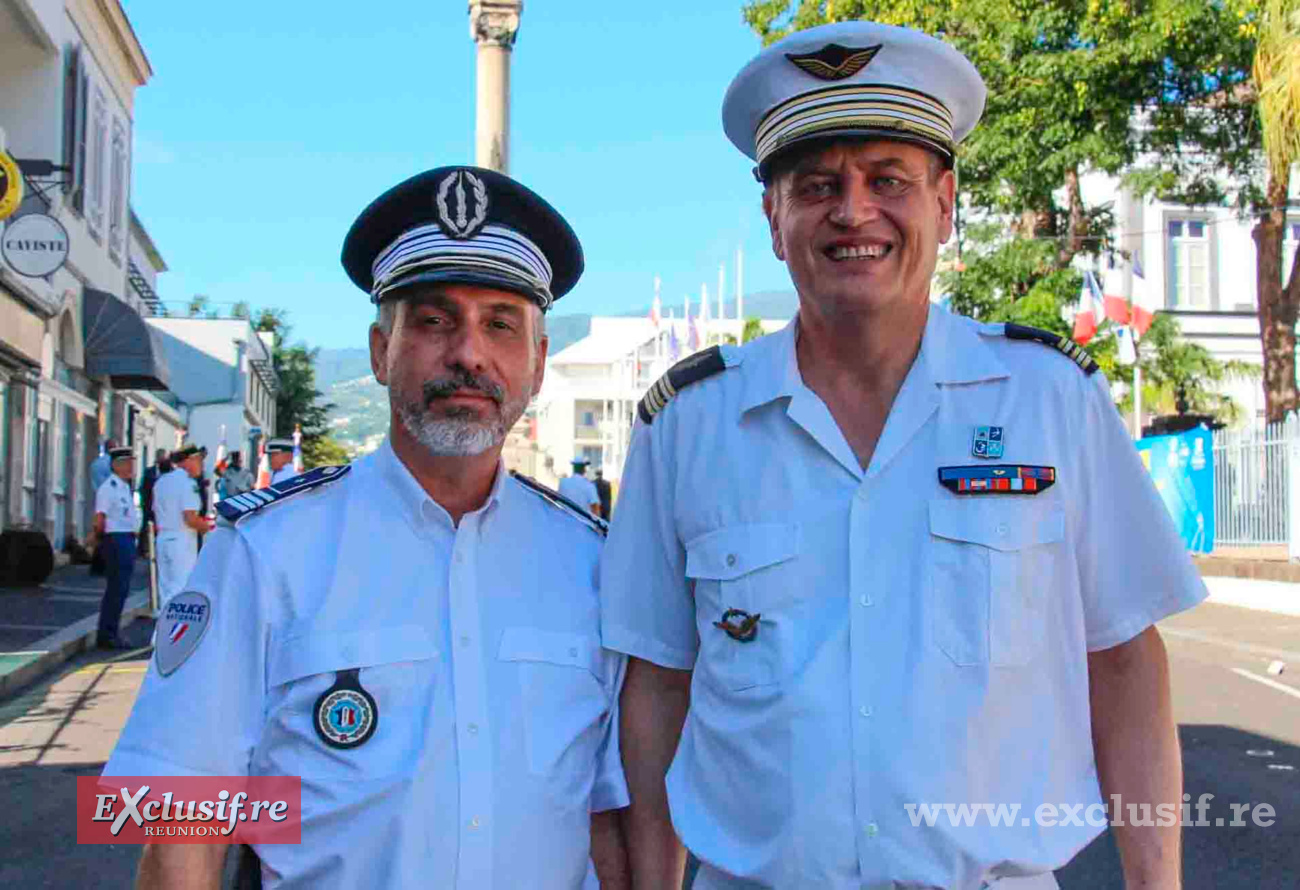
(835, 62)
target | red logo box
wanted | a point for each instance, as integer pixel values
(189, 810)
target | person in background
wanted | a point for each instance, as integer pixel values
(219, 471)
(160, 466)
(100, 469)
(238, 479)
(578, 488)
(279, 454)
(178, 511)
(606, 496)
(116, 521)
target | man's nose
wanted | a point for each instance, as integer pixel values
(856, 204)
(468, 349)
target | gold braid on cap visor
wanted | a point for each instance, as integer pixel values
(855, 107)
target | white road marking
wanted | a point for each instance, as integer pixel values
(31, 627)
(1280, 687)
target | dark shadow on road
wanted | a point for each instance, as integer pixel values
(1236, 767)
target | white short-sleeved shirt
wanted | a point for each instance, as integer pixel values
(175, 492)
(580, 490)
(914, 646)
(117, 502)
(497, 728)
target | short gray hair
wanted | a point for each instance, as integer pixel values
(386, 313)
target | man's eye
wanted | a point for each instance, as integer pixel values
(889, 185)
(818, 189)
(502, 325)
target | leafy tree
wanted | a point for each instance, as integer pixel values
(240, 310)
(197, 306)
(297, 402)
(752, 331)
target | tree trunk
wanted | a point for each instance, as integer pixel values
(1277, 304)
(1077, 224)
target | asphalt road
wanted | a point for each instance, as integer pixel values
(1240, 728)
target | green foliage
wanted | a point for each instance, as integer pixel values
(323, 451)
(197, 306)
(297, 402)
(752, 331)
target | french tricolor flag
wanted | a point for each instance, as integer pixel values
(178, 631)
(1115, 302)
(1085, 320)
(1144, 304)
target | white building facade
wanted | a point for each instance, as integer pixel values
(68, 74)
(589, 397)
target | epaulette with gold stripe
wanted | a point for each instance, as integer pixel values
(691, 369)
(1059, 342)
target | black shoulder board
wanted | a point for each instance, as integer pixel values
(241, 505)
(598, 525)
(691, 369)
(1059, 342)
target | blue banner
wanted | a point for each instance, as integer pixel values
(1182, 467)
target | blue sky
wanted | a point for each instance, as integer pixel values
(268, 126)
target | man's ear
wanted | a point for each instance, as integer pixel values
(773, 221)
(379, 353)
(543, 347)
(946, 188)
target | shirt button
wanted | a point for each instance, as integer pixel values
(464, 640)
(460, 557)
(864, 711)
(872, 829)
(731, 559)
(573, 651)
(1002, 529)
(864, 600)
(472, 729)
(474, 823)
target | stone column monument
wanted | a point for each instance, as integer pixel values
(493, 24)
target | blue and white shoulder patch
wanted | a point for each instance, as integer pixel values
(244, 505)
(691, 369)
(555, 499)
(1059, 342)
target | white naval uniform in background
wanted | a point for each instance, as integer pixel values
(178, 544)
(284, 473)
(116, 501)
(914, 646)
(497, 725)
(580, 490)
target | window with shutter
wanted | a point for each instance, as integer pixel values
(117, 193)
(76, 87)
(95, 169)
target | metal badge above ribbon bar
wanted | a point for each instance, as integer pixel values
(1000, 479)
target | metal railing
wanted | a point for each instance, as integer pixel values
(1252, 483)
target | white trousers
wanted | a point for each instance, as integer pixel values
(177, 554)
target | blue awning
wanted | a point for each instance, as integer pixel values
(120, 346)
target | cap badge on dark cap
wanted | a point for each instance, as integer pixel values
(463, 225)
(835, 62)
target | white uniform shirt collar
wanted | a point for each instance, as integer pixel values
(414, 501)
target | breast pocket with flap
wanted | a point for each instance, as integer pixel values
(992, 559)
(747, 570)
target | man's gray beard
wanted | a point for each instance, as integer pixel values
(460, 436)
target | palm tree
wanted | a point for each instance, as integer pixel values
(1277, 85)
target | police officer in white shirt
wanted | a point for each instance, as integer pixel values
(416, 635)
(177, 508)
(889, 556)
(116, 521)
(579, 489)
(279, 454)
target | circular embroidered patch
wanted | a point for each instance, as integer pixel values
(346, 715)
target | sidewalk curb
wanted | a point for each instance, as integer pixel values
(1254, 569)
(64, 645)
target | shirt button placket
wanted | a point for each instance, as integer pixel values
(862, 640)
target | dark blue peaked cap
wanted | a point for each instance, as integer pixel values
(465, 225)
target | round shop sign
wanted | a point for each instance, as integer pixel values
(11, 186)
(35, 245)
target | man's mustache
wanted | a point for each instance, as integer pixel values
(443, 387)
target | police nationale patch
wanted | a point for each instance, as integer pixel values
(346, 716)
(181, 627)
(835, 62)
(462, 201)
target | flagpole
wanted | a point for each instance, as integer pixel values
(740, 292)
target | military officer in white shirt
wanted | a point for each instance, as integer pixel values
(116, 521)
(888, 557)
(177, 508)
(416, 635)
(279, 454)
